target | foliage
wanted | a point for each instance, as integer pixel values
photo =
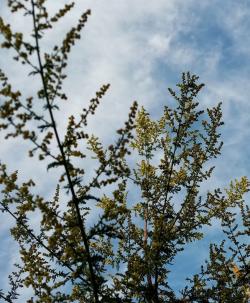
(127, 253)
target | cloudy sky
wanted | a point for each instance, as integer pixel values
(141, 47)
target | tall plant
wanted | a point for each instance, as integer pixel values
(127, 252)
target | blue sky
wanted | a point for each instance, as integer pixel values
(142, 47)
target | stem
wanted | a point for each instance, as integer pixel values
(145, 240)
(172, 163)
(236, 243)
(47, 152)
(71, 186)
(167, 192)
(152, 290)
(5, 298)
(32, 235)
(145, 243)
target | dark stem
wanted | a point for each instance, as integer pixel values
(32, 235)
(5, 298)
(167, 192)
(145, 233)
(71, 187)
(237, 244)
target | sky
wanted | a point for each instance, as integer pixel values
(141, 48)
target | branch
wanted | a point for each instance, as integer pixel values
(74, 197)
(5, 298)
(32, 235)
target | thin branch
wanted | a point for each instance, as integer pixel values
(47, 152)
(32, 235)
(5, 298)
(74, 197)
(167, 190)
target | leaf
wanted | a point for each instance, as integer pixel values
(55, 164)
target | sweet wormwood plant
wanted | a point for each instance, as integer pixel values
(127, 253)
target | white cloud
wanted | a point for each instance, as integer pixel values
(159, 44)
